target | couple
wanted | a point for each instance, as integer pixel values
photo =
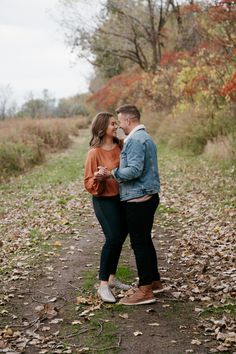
(123, 179)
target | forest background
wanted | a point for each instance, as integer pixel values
(175, 61)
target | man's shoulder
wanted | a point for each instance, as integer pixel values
(141, 135)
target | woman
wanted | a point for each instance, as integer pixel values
(105, 149)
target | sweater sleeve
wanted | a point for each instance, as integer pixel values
(93, 186)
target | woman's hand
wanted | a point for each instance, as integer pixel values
(98, 176)
(102, 173)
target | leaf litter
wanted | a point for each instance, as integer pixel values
(32, 219)
(199, 214)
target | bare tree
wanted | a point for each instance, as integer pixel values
(125, 30)
(5, 101)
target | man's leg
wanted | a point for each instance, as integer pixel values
(140, 218)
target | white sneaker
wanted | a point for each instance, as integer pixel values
(105, 294)
(115, 283)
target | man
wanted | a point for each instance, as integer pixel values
(139, 187)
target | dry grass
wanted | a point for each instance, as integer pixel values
(185, 130)
(197, 130)
(221, 148)
(25, 142)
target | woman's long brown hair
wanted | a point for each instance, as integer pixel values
(98, 129)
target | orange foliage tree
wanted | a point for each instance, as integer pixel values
(229, 89)
(116, 90)
(203, 75)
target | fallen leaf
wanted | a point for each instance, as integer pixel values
(77, 322)
(84, 350)
(196, 342)
(56, 320)
(150, 310)
(124, 315)
(55, 334)
(45, 328)
(7, 332)
(83, 300)
(3, 344)
(57, 244)
(137, 333)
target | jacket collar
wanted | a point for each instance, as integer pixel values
(138, 127)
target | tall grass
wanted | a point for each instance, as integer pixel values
(222, 148)
(25, 142)
(197, 130)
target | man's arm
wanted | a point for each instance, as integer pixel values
(135, 154)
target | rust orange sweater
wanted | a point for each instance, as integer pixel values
(100, 157)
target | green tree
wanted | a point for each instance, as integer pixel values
(70, 107)
(38, 107)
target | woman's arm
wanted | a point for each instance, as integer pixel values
(92, 182)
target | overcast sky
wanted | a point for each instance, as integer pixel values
(33, 55)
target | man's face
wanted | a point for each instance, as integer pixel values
(124, 122)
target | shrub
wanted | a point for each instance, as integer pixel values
(192, 128)
(54, 134)
(25, 142)
(16, 157)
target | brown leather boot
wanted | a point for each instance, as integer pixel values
(143, 295)
(157, 286)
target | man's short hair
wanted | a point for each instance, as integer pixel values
(129, 109)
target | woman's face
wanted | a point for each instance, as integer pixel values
(112, 128)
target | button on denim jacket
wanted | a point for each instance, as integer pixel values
(137, 173)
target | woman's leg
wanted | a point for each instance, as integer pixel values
(110, 214)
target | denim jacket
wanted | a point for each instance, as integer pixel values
(137, 173)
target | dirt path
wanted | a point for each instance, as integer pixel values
(167, 326)
(48, 278)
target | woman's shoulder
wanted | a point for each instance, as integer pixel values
(93, 151)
